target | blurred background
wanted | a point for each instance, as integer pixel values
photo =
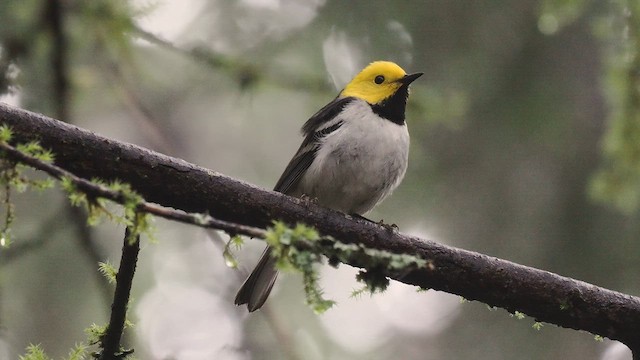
(524, 146)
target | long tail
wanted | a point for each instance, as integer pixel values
(255, 290)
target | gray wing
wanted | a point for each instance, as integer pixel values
(321, 124)
(256, 289)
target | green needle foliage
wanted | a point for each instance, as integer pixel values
(284, 242)
(108, 271)
(537, 325)
(35, 352)
(5, 134)
(97, 209)
(12, 178)
(234, 242)
(300, 248)
(518, 315)
(95, 333)
(598, 338)
(79, 352)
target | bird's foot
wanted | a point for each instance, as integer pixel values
(362, 218)
(390, 227)
(308, 199)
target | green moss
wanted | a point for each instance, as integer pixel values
(108, 271)
(35, 352)
(5, 134)
(234, 242)
(300, 248)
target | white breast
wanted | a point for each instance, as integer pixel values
(359, 164)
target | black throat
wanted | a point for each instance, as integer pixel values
(392, 108)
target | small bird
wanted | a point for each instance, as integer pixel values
(354, 154)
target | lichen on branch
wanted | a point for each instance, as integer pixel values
(300, 248)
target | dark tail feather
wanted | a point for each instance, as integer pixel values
(255, 290)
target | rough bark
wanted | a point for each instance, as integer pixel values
(545, 296)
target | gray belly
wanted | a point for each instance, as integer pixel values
(354, 179)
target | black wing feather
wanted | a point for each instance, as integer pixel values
(309, 147)
(325, 114)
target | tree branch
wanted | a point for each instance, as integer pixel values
(545, 296)
(111, 340)
(95, 190)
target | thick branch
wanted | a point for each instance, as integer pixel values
(173, 182)
(95, 191)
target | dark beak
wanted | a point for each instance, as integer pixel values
(408, 79)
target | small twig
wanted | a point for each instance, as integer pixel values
(207, 57)
(9, 208)
(201, 220)
(247, 74)
(100, 191)
(111, 340)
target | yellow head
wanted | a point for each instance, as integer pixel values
(378, 81)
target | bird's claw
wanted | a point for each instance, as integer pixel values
(390, 227)
(308, 199)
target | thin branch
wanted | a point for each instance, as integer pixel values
(100, 191)
(245, 73)
(545, 296)
(124, 279)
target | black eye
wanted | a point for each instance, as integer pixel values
(379, 79)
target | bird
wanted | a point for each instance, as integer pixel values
(354, 154)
